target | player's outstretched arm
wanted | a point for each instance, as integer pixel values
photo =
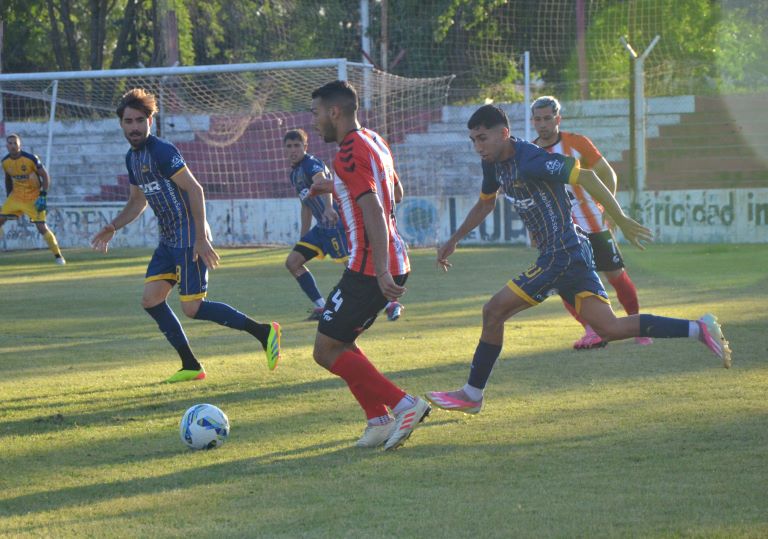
(607, 175)
(635, 233)
(202, 248)
(320, 186)
(482, 208)
(136, 204)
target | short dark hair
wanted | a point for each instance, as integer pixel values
(338, 92)
(13, 135)
(488, 116)
(546, 101)
(296, 134)
(138, 99)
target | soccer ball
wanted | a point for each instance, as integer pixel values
(204, 426)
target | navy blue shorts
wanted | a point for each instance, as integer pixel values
(320, 241)
(176, 266)
(570, 273)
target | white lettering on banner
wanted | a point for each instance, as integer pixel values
(711, 216)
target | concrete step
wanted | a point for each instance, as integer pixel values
(586, 109)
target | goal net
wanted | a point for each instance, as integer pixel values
(228, 122)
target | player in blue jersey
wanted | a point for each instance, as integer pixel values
(534, 181)
(159, 177)
(328, 236)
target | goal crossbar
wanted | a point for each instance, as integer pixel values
(340, 63)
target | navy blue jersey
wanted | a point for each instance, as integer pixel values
(534, 181)
(150, 168)
(301, 178)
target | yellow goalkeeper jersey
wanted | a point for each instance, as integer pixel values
(23, 172)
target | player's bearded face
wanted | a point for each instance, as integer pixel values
(545, 123)
(323, 123)
(136, 125)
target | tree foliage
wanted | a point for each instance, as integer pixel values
(706, 45)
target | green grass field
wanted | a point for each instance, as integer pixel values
(628, 441)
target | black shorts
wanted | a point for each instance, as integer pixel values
(352, 306)
(606, 251)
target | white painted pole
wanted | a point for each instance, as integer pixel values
(641, 113)
(527, 92)
(341, 69)
(51, 120)
(365, 45)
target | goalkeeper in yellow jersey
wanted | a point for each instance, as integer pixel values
(26, 184)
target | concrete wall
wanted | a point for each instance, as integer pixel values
(714, 216)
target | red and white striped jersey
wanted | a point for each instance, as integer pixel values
(587, 213)
(364, 165)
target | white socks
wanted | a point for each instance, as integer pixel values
(473, 393)
(405, 403)
(693, 329)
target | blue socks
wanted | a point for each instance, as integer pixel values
(482, 364)
(662, 327)
(168, 324)
(221, 313)
(171, 328)
(309, 286)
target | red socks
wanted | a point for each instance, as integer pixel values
(571, 309)
(371, 388)
(626, 293)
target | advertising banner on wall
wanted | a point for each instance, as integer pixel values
(711, 216)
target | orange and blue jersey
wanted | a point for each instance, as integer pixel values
(151, 168)
(534, 181)
(23, 173)
(587, 212)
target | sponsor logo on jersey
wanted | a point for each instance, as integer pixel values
(150, 187)
(554, 166)
(177, 161)
(521, 203)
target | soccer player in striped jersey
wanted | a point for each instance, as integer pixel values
(364, 184)
(328, 236)
(160, 177)
(26, 186)
(587, 213)
(534, 181)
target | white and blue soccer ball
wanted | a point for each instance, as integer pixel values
(204, 426)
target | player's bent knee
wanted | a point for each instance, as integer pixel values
(323, 358)
(492, 315)
(294, 263)
(609, 331)
(190, 308)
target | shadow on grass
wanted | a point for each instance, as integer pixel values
(528, 374)
(674, 460)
